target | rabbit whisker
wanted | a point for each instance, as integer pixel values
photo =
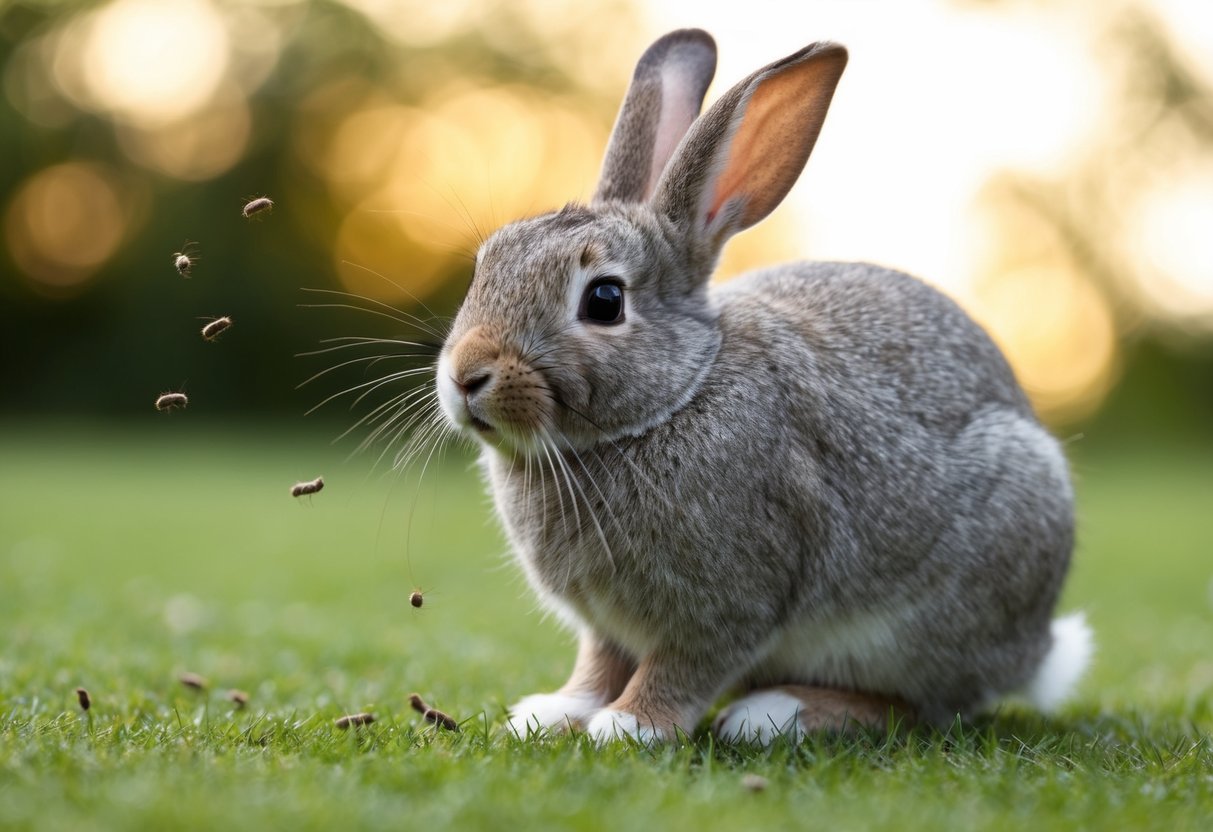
(559, 470)
(543, 495)
(386, 279)
(606, 506)
(387, 307)
(382, 410)
(403, 406)
(568, 569)
(405, 413)
(428, 330)
(526, 482)
(373, 359)
(358, 341)
(564, 523)
(391, 313)
(571, 478)
(403, 456)
(469, 222)
(421, 412)
(388, 379)
(373, 385)
(433, 432)
(636, 469)
(370, 339)
(433, 439)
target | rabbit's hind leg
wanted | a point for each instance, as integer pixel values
(792, 710)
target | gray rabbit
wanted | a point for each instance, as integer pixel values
(819, 484)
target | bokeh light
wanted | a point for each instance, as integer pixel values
(197, 148)
(418, 22)
(436, 177)
(151, 62)
(1173, 240)
(63, 223)
(1059, 334)
(30, 87)
(1065, 147)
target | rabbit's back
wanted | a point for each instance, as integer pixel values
(948, 507)
(907, 343)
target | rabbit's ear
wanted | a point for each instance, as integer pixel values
(742, 157)
(663, 101)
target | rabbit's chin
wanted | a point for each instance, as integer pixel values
(517, 441)
(520, 442)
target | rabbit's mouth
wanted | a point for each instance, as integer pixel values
(480, 425)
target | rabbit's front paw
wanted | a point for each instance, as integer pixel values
(551, 712)
(614, 726)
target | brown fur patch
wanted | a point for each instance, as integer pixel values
(826, 709)
(599, 670)
(474, 354)
(649, 698)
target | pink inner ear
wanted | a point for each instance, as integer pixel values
(679, 108)
(710, 217)
(778, 129)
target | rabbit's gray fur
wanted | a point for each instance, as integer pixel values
(818, 474)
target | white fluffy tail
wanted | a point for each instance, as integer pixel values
(1064, 664)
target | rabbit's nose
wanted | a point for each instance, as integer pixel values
(471, 385)
(472, 362)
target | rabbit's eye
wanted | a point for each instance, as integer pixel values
(603, 302)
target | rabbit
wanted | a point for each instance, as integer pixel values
(818, 485)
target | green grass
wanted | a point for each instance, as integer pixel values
(126, 559)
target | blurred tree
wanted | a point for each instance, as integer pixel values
(104, 177)
(1127, 225)
(393, 133)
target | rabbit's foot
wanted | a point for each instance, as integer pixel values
(760, 718)
(552, 712)
(609, 725)
(791, 710)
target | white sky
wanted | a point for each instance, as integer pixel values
(934, 97)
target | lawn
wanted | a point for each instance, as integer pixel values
(129, 557)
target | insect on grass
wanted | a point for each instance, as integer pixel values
(254, 207)
(192, 681)
(354, 720)
(433, 715)
(311, 487)
(171, 401)
(216, 328)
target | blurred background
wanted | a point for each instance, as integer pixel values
(1049, 165)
